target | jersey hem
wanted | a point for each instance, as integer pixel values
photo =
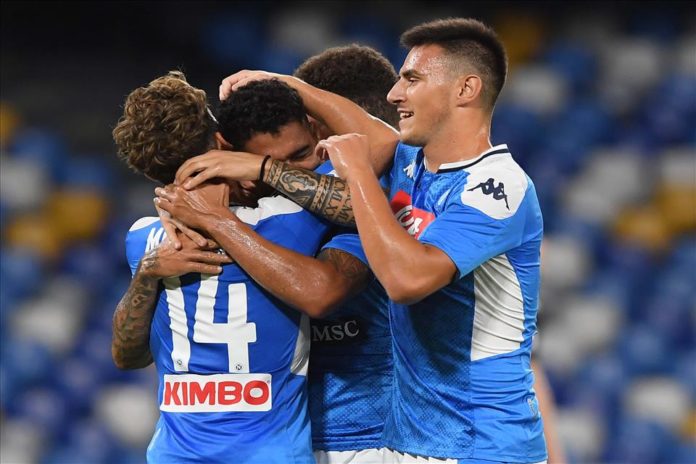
(484, 457)
(347, 447)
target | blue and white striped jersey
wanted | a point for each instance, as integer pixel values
(463, 382)
(231, 359)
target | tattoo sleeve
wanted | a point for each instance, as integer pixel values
(351, 268)
(130, 346)
(326, 196)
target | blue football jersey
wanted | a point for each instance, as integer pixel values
(231, 358)
(463, 381)
(350, 373)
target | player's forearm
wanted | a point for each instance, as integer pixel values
(406, 268)
(323, 195)
(343, 116)
(130, 345)
(306, 284)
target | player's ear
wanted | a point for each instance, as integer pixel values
(314, 128)
(468, 89)
(221, 143)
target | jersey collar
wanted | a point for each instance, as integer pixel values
(457, 165)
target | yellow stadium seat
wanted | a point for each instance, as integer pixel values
(9, 121)
(34, 231)
(77, 214)
(688, 428)
(522, 35)
(644, 226)
(677, 204)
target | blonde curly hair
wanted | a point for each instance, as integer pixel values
(163, 125)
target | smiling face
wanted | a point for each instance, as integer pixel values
(423, 94)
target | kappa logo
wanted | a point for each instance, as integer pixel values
(410, 169)
(489, 188)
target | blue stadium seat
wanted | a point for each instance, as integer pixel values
(79, 383)
(639, 442)
(575, 62)
(369, 30)
(644, 351)
(89, 264)
(681, 453)
(684, 368)
(87, 441)
(45, 147)
(27, 363)
(43, 406)
(22, 273)
(87, 172)
(280, 60)
(234, 39)
(520, 128)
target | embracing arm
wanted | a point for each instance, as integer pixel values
(407, 269)
(314, 286)
(324, 195)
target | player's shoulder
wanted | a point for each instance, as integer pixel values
(146, 232)
(144, 222)
(268, 207)
(495, 184)
(144, 235)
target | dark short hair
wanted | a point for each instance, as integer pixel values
(470, 40)
(356, 72)
(259, 107)
(163, 125)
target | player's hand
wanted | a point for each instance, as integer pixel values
(194, 208)
(230, 165)
(172, 226)
(166, 261)
(349, 153)
(242, 78)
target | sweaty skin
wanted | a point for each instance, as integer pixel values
(314, 286)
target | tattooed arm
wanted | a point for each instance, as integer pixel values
(314, 286)
(324, 195)
(130, 345)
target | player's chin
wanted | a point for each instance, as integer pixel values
(409, 138)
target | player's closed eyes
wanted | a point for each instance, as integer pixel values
(300, 154)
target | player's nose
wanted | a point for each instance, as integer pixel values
(396, 94)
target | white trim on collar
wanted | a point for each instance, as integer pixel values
(457, 164)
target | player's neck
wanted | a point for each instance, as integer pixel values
(461, 140)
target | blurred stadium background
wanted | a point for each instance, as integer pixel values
(600, 109)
